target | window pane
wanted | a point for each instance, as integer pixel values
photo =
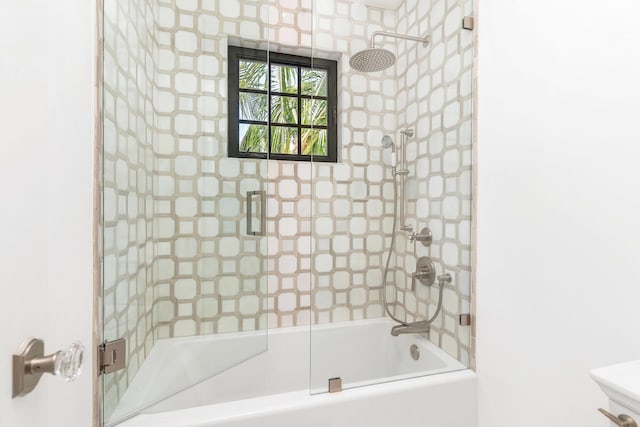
(314, 112)
(253, 138)
(284, 140)
(252, 75)
(284, 109)
(253, 106)
(284, 79)
(314, 82)
(314, 141)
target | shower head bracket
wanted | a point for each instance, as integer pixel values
(408, 132)
(424, 40)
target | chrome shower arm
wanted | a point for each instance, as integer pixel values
(424, 40)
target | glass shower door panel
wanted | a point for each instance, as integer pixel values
(370, 268)
(184, 235)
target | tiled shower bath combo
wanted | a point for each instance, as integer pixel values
(178, 262)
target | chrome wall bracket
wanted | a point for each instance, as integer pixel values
(30, 363)
(468, 23)
(113, 356)
(464, 319)
(335, 385)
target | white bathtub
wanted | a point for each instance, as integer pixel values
(281, 388)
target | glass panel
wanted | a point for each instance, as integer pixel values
(363, 288)
(284, 140)
(284, 109)
(252, 75)
(253, 107)
(314, 112)
(184, 247)
(314, 82)
(253, 138)
(314, 141)
(284, 79)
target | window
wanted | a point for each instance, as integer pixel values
(282, 106)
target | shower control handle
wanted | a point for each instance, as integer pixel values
(622, 420)
(425, 273)
(425, 237)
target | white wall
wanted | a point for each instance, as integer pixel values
(558, 203)
(558, 206)
(46, 117)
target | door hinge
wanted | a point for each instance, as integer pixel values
(468, 23)
(113, 356)
(464, 319)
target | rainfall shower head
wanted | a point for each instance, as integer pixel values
(378, 59)
(372, 60)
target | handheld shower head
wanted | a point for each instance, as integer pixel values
(387, 142)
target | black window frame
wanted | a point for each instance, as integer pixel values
(235, 55)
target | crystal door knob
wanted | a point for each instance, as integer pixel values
(68, 364)
(30, 363)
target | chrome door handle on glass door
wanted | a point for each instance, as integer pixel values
(263, 213)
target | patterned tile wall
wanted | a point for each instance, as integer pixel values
(129, 42)
(206, 265)
(174, 240)
(351, 200)
(434, 99)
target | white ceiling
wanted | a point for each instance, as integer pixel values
(385, 4)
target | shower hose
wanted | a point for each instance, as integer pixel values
(386, 268)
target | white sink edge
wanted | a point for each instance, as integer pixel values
(616, 381)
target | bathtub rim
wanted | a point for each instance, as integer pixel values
(202, 416)
(452, 364)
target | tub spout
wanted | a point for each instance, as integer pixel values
(421, 327)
